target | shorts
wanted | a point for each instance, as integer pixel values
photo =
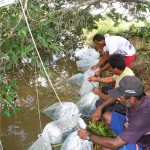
(129, 60)
(116, 124)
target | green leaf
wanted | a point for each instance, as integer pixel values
(43, 41)
(15, 112)
(4, 111)
(56, 47)
(18, 109)
(14, 81)
(13, 105)
(9, 99)
(9, 114)
(9, 66)
(22, 32)
(6, 101)
(15, 60)
(29, 48)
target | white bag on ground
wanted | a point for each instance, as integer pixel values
(57, 111)
(86, 104)
(58, 130)
(87, 86)
(74, 142)
(77, 79)
(41, 143)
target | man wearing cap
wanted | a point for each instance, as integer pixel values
(132, 130)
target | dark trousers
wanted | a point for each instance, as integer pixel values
(117, 107)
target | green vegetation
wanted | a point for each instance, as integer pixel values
(130, 30)
(101, 129)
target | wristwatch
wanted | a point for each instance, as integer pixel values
(88, 136)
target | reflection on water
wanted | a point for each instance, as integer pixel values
(39, 81)
(20, 132)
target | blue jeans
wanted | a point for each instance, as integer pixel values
(116, 124)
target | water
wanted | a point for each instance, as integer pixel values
(18, 133)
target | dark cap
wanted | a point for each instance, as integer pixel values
(128, 86)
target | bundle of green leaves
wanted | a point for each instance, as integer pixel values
(100, 128)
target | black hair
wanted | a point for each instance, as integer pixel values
(117, 61)
(98, 37)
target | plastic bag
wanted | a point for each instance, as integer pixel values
(57, 111)
(87, 86)
(41, 143)
(86, 104)
(74, 142)
(90, 72)
(57, 131)
(86, 53)
(86, 64)
(77, 79)
(81, 124)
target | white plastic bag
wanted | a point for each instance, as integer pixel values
(90, 72)
(86, 64)
(57, 111)
(41, 143)
(81, 123)
(58, 130)
(74, 142)
(86, 104)
(86, 53)
(77, 79)
(87, 86)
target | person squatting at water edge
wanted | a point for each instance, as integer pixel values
(113, 45)
(117, 66)
(132, 130)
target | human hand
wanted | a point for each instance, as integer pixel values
(83, 134)
(96, 91)
(94, 67)
(100, 49)
(97, 73)
(96, 115)
(91, 78)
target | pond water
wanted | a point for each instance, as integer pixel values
(19, 133)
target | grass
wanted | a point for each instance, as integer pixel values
(108, 26)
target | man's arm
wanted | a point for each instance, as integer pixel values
(102, 61)
(111, 143)
(104, 80)
(97, 114)
(106, 67)
(97, 91)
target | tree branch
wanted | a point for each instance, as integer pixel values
(91, 2)
(137, 1)
(15, 27)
